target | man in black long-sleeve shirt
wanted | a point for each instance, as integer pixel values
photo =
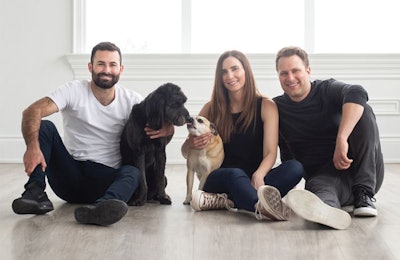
(329, 127)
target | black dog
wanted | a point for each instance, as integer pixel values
(165, 104)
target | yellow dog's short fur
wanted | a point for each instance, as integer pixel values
(204, 161)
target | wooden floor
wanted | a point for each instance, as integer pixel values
(176, 232)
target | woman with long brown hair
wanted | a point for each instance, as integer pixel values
(248, 124)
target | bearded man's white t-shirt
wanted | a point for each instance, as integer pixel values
(93, 131)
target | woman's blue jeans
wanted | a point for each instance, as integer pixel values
(80, 181)
(237, 184)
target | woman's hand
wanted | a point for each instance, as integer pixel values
(257, 180)
(199, 142)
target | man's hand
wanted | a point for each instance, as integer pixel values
(166, 130)
(340, 159)
(33, 158)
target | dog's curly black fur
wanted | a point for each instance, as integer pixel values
(165, 104)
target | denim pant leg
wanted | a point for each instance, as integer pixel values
(285, 176)
(61, 169)
(235, 183)
(77, 181)
(125, 182)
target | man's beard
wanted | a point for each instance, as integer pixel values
(104, 84)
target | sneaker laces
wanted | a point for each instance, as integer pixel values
(365, 194)
(216, 201)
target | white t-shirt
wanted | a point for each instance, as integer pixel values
(93, 131)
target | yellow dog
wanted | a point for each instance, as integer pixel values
(203, 161)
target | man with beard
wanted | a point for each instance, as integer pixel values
(85, 166)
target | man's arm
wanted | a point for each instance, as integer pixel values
(30, 126)
(351, 114)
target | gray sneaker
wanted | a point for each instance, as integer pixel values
(270, 204)
(308, 206)
(202, 200)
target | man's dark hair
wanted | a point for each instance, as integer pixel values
(106, 46)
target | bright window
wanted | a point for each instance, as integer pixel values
(357, 26)
(135, 26)
(252, 26)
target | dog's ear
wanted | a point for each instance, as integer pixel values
(213, 129)
(154, 107)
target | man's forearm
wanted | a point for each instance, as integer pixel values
(30, 126)
(351, 114)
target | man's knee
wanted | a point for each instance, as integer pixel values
(324, 188)
(47, 130)
(47, 125)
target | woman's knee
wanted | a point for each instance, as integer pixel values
(223, 179)
(227, 173)
(238, 173)
(294, 167)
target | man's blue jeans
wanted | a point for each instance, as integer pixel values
(80, 181)
(237, 184)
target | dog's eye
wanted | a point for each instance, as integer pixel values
(200, 120)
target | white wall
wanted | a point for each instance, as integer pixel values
(36, 40)
(34, 37)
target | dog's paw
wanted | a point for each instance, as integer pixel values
(166, 200)
(187, 201)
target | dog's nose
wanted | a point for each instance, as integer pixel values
(189, 120)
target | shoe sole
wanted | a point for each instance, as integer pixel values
(365, 212)
(104, 213)
(24, 206)
(348, 209)
(271, 200)
(308, 206)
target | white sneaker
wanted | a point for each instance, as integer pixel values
(202, 200)
(270, 204)
(308, 206)
(348, 209)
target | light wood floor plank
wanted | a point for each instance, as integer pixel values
(176, 232)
